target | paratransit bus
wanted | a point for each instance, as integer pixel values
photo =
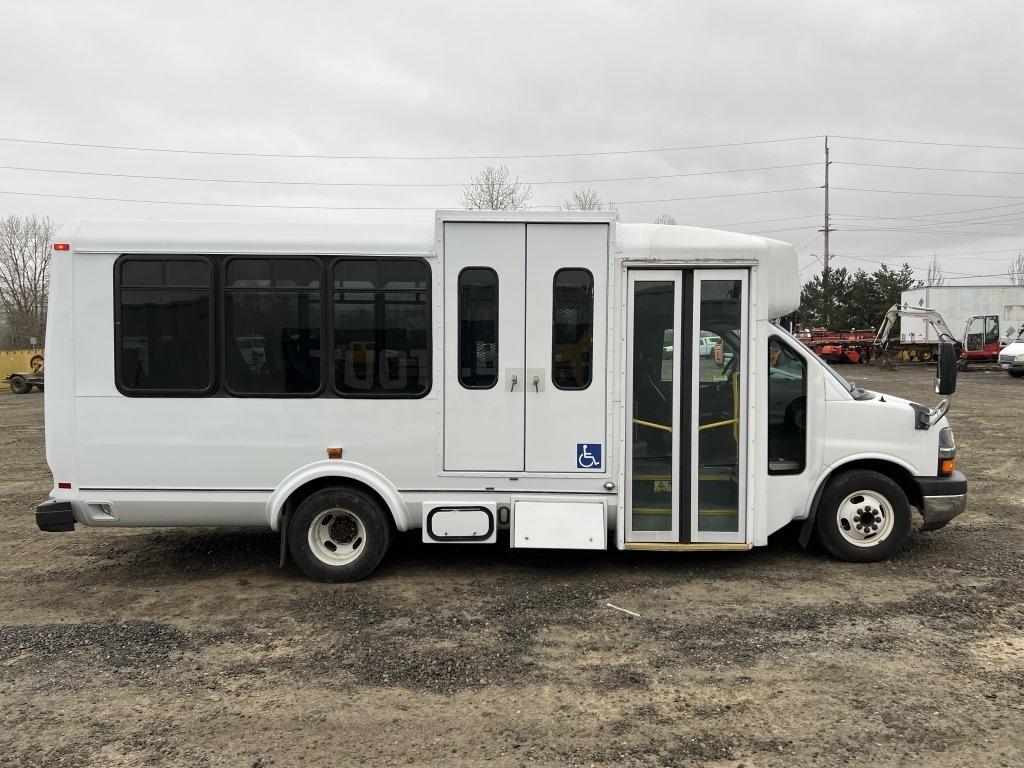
(548, 373)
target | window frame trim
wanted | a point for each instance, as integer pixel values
(497, 328)
(211, 291)
(554, 280)
(331, 264)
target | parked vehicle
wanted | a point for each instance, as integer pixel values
(989, 314)
(536, 372)
(1011, 357)
(23, 382)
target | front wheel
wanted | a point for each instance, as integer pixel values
(339, 534)
(1016, 374)
(20, 386)
(863, 517)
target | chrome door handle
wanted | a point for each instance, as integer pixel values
(515, 380)
(536, 383)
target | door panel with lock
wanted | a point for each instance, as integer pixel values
(525, 345)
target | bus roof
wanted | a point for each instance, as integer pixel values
(778, 278)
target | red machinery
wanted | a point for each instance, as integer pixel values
(840, 346)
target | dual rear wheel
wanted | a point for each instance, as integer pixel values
(339, 534)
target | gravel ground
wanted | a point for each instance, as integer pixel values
(189, 647)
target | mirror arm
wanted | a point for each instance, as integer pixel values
(941, 410)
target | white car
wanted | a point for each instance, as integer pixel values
(1011, 357)
(706, 344)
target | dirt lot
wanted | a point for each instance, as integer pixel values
(190, 647)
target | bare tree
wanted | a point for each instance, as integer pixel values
(25, 243)
(1017, 269)
(935, 274)
(589, 199)
(495, 190)
(665, 218)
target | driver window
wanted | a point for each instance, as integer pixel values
(992, 329)
(787, 409)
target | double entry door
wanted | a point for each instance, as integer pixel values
(525, 319)
(686, 394)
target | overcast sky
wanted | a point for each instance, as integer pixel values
(457, 79)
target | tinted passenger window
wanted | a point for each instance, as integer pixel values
(272, 319)
(572, 323)
(381, 327)
(478, 328)
(787, 409)
(165, 329)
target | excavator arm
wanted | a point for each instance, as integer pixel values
(880, 348)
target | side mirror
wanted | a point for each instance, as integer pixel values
(945, 379)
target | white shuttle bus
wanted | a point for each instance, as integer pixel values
(540, 372)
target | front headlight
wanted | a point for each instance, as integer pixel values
(1019, 359)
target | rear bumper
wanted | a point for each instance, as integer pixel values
(943, 499)
(55, 516)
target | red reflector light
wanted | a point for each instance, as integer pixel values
(62, 246)
(64, 485)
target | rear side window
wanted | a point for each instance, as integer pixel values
(272, 320)
(164, 334)
(572, 329)
(381, 327)
(478, 327)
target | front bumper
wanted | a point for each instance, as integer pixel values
(55, 516)
(943, 498)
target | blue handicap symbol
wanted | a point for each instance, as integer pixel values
(588, 456)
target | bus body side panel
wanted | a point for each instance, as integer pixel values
(59, 405)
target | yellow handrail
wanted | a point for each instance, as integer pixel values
(652, 425)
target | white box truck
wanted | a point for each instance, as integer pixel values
(536, 372)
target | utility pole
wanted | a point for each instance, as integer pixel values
(827, 228)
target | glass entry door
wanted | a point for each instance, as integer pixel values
(686, 396)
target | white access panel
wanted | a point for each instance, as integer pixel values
(558, 421)
(559, 525)
(483, 428)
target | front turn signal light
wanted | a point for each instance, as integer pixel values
(946, 466)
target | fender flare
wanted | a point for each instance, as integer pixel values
(830, 470)
(345, 470)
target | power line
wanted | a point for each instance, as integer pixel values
(930, 194)
(960, 275)
(930, 231)
(926, 143)
(541, 182)
(362, 208)
(291, 156)
(928, 168)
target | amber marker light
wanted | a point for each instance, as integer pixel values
(334, 453)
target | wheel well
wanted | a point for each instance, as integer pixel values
(306, 490)
(895, 472)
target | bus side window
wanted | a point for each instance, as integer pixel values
(787, 409)
(478, 327)
(382, 333)
(272, 322)
(572, 329)
(164, 329)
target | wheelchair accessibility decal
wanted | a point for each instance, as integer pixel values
(588, 456)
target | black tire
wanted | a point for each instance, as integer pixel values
(19, 386)
(846, 486)
(351, 519)
(1016, 374)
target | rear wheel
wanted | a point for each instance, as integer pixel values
(863, 517)
(339, 534)
(20, 386)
